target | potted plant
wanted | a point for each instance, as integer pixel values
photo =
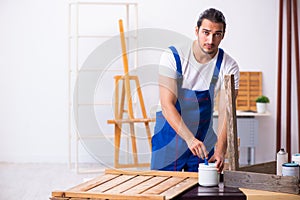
(261, 103)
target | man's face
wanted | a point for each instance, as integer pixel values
(209, 36)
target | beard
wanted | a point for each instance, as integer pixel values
(209, 51)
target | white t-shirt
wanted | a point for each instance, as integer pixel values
(197, 76)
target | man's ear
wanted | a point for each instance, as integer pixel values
(196, 30)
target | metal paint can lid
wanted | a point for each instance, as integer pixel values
(290, 165)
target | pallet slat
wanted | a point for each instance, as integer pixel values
(164, 186)
(109, 185)
(180, 187)
(139, 189)
(128, 184)
(98, 196)
(93, 183)
(153, 173)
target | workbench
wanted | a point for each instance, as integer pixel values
(224, 193)
(265, 195)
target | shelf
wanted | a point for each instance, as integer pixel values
(77, 36)
(240, 113)
(98, 36)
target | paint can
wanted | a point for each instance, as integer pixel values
(208, 175)
(290, 169)
(296, 158)
(282, 157)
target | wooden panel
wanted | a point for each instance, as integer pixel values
(249, 89)
(118, 184)
(250, 180)
(232, 141)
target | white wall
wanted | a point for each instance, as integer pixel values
(33, 81)
(34, 77)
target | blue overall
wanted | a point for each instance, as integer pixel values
(169, 151)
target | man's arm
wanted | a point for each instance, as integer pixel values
(168, 98)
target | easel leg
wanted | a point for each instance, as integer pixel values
(142, 104)
(133, 142)
(148, 131)
(117, 144)
(121, 108)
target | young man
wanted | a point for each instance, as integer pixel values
(190, 75)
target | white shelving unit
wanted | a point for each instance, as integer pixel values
(79, 49)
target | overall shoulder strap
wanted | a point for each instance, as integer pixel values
(220, 58)
(177, 59)
(216, 74)
(217, 67)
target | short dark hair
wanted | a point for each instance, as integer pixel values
(213, 15)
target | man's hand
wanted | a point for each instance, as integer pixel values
(219, 160)
(198, 148)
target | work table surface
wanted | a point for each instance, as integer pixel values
(224, 193)
(212, 193)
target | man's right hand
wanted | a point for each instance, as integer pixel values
(198, 148)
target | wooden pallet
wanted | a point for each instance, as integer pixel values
(118, 184)
(250, 87)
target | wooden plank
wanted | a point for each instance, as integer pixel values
(128, 184)
(179, 188)
(153, 173)
(139, 189)
(108, 185)
(267, 168)
(93, 183)
(59, 198)
(250, 180)
(164, 186)
(266, 195)
(95, 195)
(243, 98)
(232, 141)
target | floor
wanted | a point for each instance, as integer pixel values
(37, 181)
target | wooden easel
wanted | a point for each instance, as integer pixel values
(119, 110)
